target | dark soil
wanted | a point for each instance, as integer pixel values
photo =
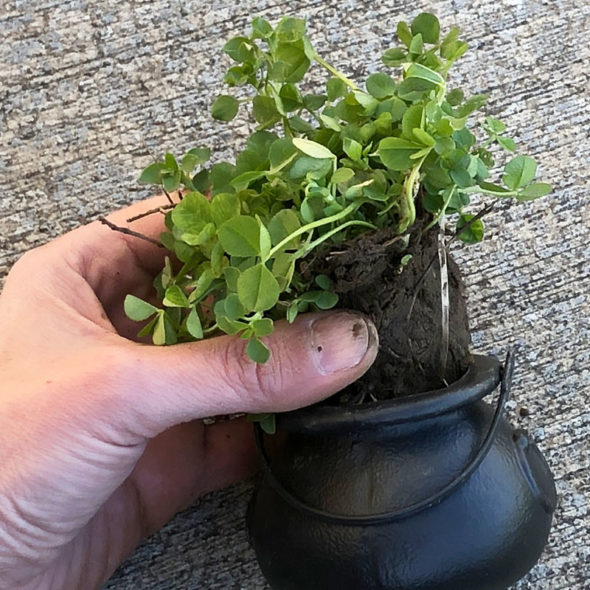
(404, 301)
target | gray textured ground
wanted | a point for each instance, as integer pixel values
(91, 90)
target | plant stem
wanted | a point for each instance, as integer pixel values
(282, 164)
(336, 73)
(210, 329)
(129, 232)
(334, 231)
(325, 221)
(407, 205)
(443, 209)
(161, 209)
(483, 191)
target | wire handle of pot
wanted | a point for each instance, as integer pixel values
(407, 511)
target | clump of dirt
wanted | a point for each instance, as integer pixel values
(404, 301)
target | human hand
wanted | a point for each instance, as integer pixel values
(100, 436)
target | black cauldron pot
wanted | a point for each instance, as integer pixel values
(434, 491)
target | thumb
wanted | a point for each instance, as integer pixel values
(314, 357)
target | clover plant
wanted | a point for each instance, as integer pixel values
(321, 166)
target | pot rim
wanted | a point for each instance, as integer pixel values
(480, 379)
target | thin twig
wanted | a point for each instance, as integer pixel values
(161, 209)
(168, 196)
(487, 209)
(129, 232)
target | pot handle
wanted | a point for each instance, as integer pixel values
(433, 500)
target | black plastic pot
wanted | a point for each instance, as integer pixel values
(433, 492)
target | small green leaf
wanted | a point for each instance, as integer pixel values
(193, 158)
(224, 206)
(220, 176)
(175, 297)
(258, 289)
(342, 175)
(324, 282)
(380, 85)
(280, 153)
(290, 97)
(507, 143)
(471, 105)
(494, 125)
(335, 88)
(448, 47)
(192, 214)
(311, 167)
(312, 149)
(193, 324)
(267, 422)
(264, 241)
(239, 49)
(427, 25)
(423, 137)
(137, 309)
(417, 45)
(314, 102)
(396, 152)
(519, 172)
(201, 181)
(228, 326)
(225, 108)
(152, 174)
(495, 189)
(203, 283)
(283, 267)
(265, 111)
(353, 149)
(422, 72)
(240, 236)
(473, 233)
(159, 333)
(148, 328)
(218, 260)
(292, 312)
(283, 224)
(411, 120)
(244, 180)
(259, 353)
(326, 300)
(394, 57)
(404, 34)
(461, 177)
(455, 97)
(331, 122)
(291, 63)
(261, 28)
(263, 327)
(290, 29)
(233, 307)
(231, 275)
(534, 191)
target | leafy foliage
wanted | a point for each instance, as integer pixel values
(320, 167)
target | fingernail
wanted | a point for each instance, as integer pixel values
(341, 340)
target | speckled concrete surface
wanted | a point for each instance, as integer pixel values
(91, 90)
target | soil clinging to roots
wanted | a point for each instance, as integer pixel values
(404, 301)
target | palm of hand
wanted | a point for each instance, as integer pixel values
(72, 506)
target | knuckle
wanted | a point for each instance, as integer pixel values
(260, 384)
(27, 261)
